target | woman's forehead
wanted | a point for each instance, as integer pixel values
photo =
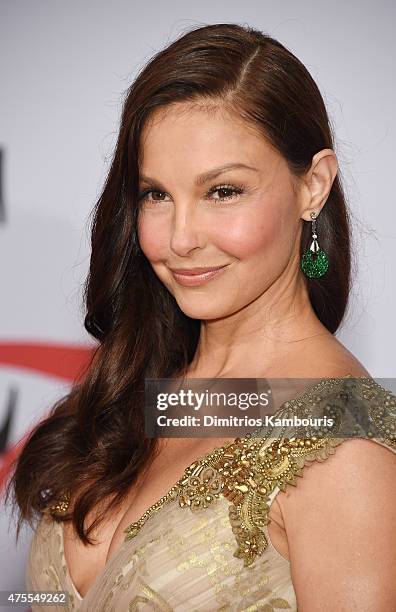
(207, 140)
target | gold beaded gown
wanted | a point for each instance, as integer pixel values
(205, 545)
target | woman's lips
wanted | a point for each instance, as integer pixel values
(196, 276)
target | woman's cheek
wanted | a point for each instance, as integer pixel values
(153, 239)
(247, 237)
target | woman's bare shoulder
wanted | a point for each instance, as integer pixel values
(327, 357)
(340, 509)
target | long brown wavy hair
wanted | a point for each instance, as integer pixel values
(93, 440)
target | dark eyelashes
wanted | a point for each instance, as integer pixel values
(226, 187)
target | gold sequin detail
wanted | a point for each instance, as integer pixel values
(201, 488)
(248, 489)
(59, 507)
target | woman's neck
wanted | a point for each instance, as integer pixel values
(252, 342)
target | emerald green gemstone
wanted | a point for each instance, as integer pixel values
(314, 265)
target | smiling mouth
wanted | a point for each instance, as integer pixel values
(193, 277)
(193, 271)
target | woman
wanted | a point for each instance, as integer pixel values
(224, 161)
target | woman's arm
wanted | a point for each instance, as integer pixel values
(340, 522)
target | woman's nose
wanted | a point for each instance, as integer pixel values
(186, 233)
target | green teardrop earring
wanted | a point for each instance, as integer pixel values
(314, 262)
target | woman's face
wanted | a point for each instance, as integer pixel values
(194, 214)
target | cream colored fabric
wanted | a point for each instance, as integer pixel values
(181, 559)
(178, 561)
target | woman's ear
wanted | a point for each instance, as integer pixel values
(318, 182)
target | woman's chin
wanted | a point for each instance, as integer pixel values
(204, 311)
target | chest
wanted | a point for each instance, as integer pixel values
(86, 562)
(167, 562)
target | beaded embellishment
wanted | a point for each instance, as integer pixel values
(251, 476)
(59, 507)
(248, 470)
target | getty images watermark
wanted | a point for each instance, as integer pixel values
(196, 402)
(232, 407)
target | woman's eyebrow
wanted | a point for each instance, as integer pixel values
(205, 177)
(211, 174)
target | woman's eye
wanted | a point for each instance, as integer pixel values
(226, 192)
(144, 195)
